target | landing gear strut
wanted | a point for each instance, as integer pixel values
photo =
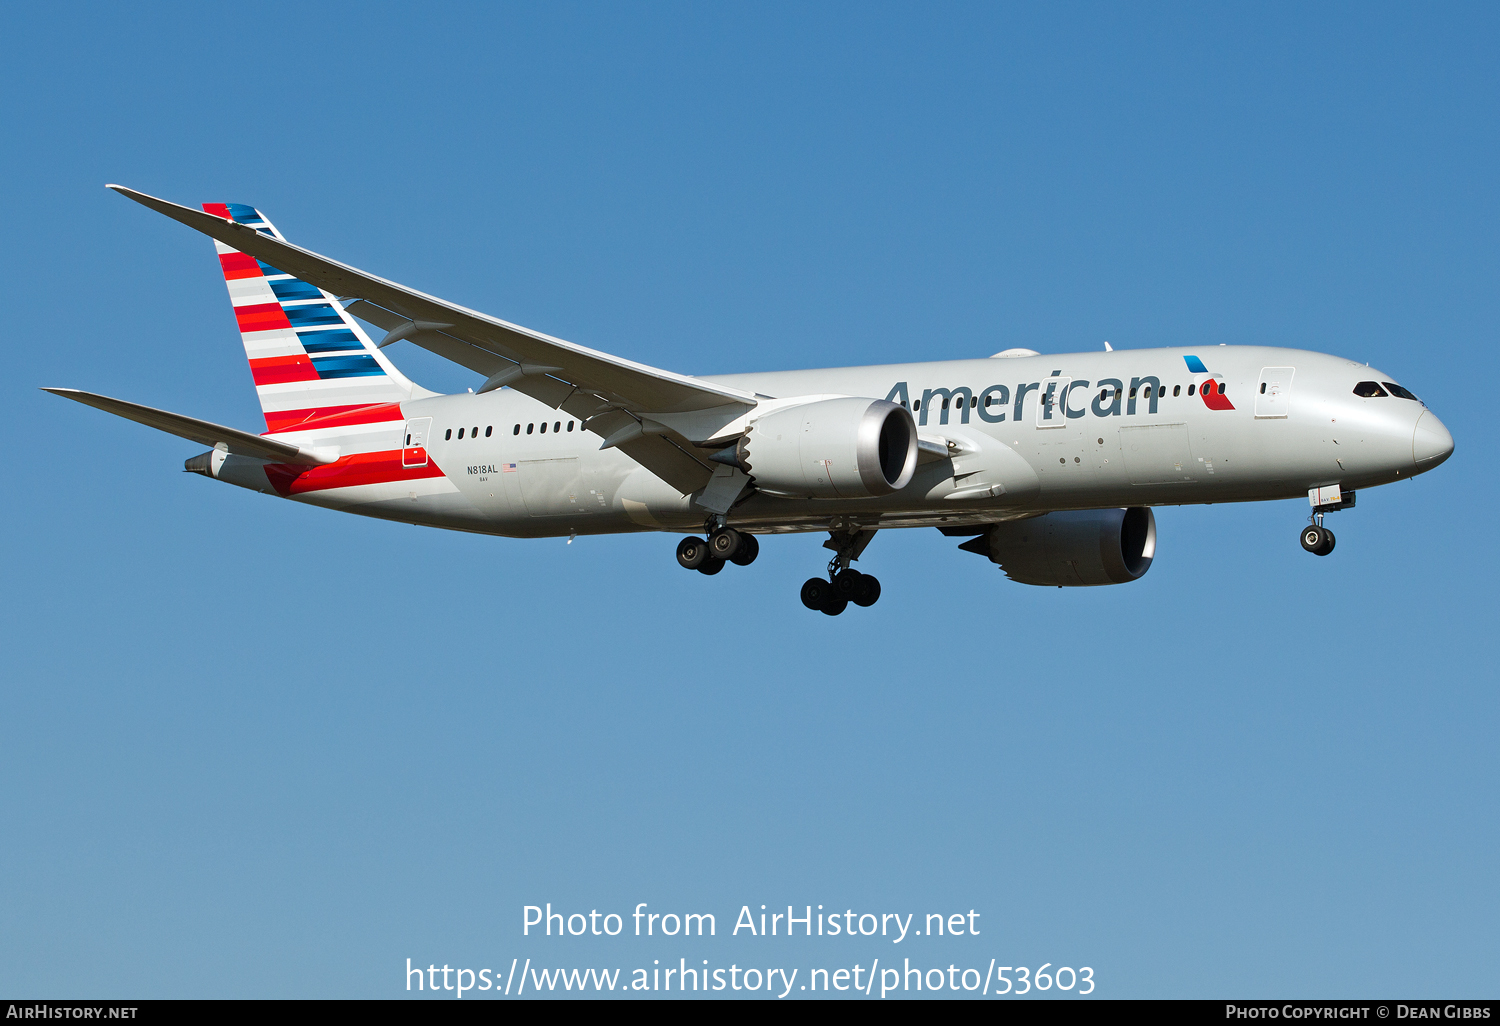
(724, 545)
(844, 584)
(1316, 538)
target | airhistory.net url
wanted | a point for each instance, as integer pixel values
(521, 980)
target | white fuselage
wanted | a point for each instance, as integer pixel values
(1012, 449)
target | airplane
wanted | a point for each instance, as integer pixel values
(1047, 465)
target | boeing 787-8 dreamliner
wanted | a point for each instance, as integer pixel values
(1048, 465)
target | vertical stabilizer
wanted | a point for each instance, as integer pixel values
(309, 358)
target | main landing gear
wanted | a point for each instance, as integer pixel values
(832, 596)
(842, 587)
(844, 584)
(724, 545)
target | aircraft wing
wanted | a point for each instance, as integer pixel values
(613, 394)
(241, 443)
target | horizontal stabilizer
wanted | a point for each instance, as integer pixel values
(233, 440)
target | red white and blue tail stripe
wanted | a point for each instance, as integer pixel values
(310, 359)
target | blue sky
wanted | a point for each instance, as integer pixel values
(257, 749)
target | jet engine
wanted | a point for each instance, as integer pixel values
(831, 449)
(1074, 549)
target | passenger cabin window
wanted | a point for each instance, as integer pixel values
(544, 427)
(529, 428)
(556, 427)
(517, 431)
(1176, 390)
(1191, 388)
(916, 404)
(447, 435)
(460, 434)
(489, 430)
(474, 432)
(570, 425)
(1365, 389)
(1399, 392)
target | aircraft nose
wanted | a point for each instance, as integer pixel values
(1431, 443)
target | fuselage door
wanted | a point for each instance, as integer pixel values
(1272, 394)
(1051, 409)
(553, 487)
(414, 443)
(1158, 454)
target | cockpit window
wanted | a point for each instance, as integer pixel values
(1369, 390)
(1399, 392)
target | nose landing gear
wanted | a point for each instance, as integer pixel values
(1316, 538)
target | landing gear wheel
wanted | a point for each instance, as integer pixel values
(846, 584)
(867, 591)
(711, 566)
(1317, 540)
(815, 592)
(748, 550)
(725, 543)
(835, 605)
(692, 553)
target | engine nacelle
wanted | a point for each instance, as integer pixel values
(832, 449)
(1075, 549)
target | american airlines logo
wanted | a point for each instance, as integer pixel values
(1058, 399)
